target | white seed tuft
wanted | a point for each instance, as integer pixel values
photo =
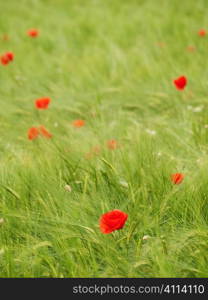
(68, 188)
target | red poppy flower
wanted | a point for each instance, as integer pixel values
(44, 132)
(180, 82)
(5, 37)
(33, 133)
(94, 151)
(42, 103)
(112, 220)
(191, 48)
(9, 55)
(78, 123)
(202, 32)
(33, 32)
(177, 178)
(4, 60)
(161, 44)
(112, 144)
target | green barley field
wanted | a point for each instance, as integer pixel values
(111, 64)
